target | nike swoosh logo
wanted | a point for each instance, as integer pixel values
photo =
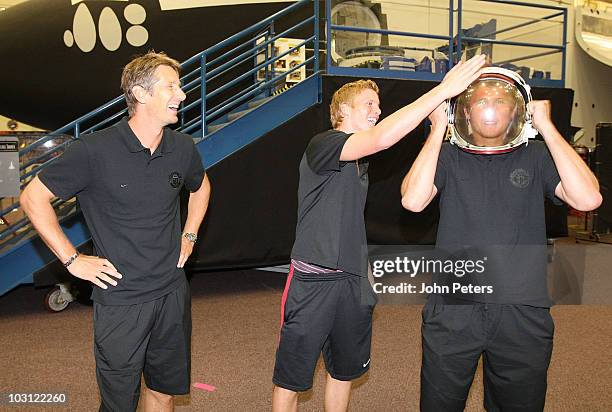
(123, 185)
(367, 363)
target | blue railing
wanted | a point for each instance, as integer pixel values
(232, 63)
(454, 41)
(554, 48)
(242, 56)
(332, 69)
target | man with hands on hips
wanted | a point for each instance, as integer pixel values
(128, 179)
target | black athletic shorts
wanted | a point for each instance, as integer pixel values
(515, 342)
(329, 313)
(151, 338)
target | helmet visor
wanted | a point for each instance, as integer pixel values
(491, 112)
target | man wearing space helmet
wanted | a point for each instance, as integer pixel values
(491, 112)
(491, 180)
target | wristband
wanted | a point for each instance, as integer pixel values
(70, 260)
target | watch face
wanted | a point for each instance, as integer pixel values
(190, 236)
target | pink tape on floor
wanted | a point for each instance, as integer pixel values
(204, 386)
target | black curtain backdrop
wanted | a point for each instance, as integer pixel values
(252, 213)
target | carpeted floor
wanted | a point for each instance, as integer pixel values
(235, 326)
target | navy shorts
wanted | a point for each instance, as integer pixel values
(515, 342)
(329, 313)
(151, 339)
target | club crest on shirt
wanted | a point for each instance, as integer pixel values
(175, 179)
(519, 178)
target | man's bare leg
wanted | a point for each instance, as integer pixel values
(284, 400)
(158, 402)
(337, 395)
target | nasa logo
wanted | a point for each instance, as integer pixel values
(519, 178)
(175, 179)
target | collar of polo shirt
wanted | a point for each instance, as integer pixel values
(133, 144)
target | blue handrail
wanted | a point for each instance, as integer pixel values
(251, 29)
(513, 43)
(216, 67)
(564, 57)
(247, 43)
(389, 32)
(527, 23)
(259, 46)
(455, 40)
(520, 3)
(35, 159)
(256, 69)
(562, 11)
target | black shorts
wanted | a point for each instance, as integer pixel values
(516, 344)
(151, 338)
(329, 313)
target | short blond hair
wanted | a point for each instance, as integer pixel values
(141, 72)
(345, 95)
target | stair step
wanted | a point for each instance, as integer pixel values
(213, 128)
(259, 102)
(233, 116)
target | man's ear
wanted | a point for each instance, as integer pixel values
(139, 93)
(344, 110)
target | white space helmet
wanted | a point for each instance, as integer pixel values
(490, 116)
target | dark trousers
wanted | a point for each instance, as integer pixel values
(151, 339)
(515, 341)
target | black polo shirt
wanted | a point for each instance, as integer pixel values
(332, 194)
(130, 200)
(494, 204)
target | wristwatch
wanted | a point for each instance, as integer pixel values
(70, 260)
(192, 237)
